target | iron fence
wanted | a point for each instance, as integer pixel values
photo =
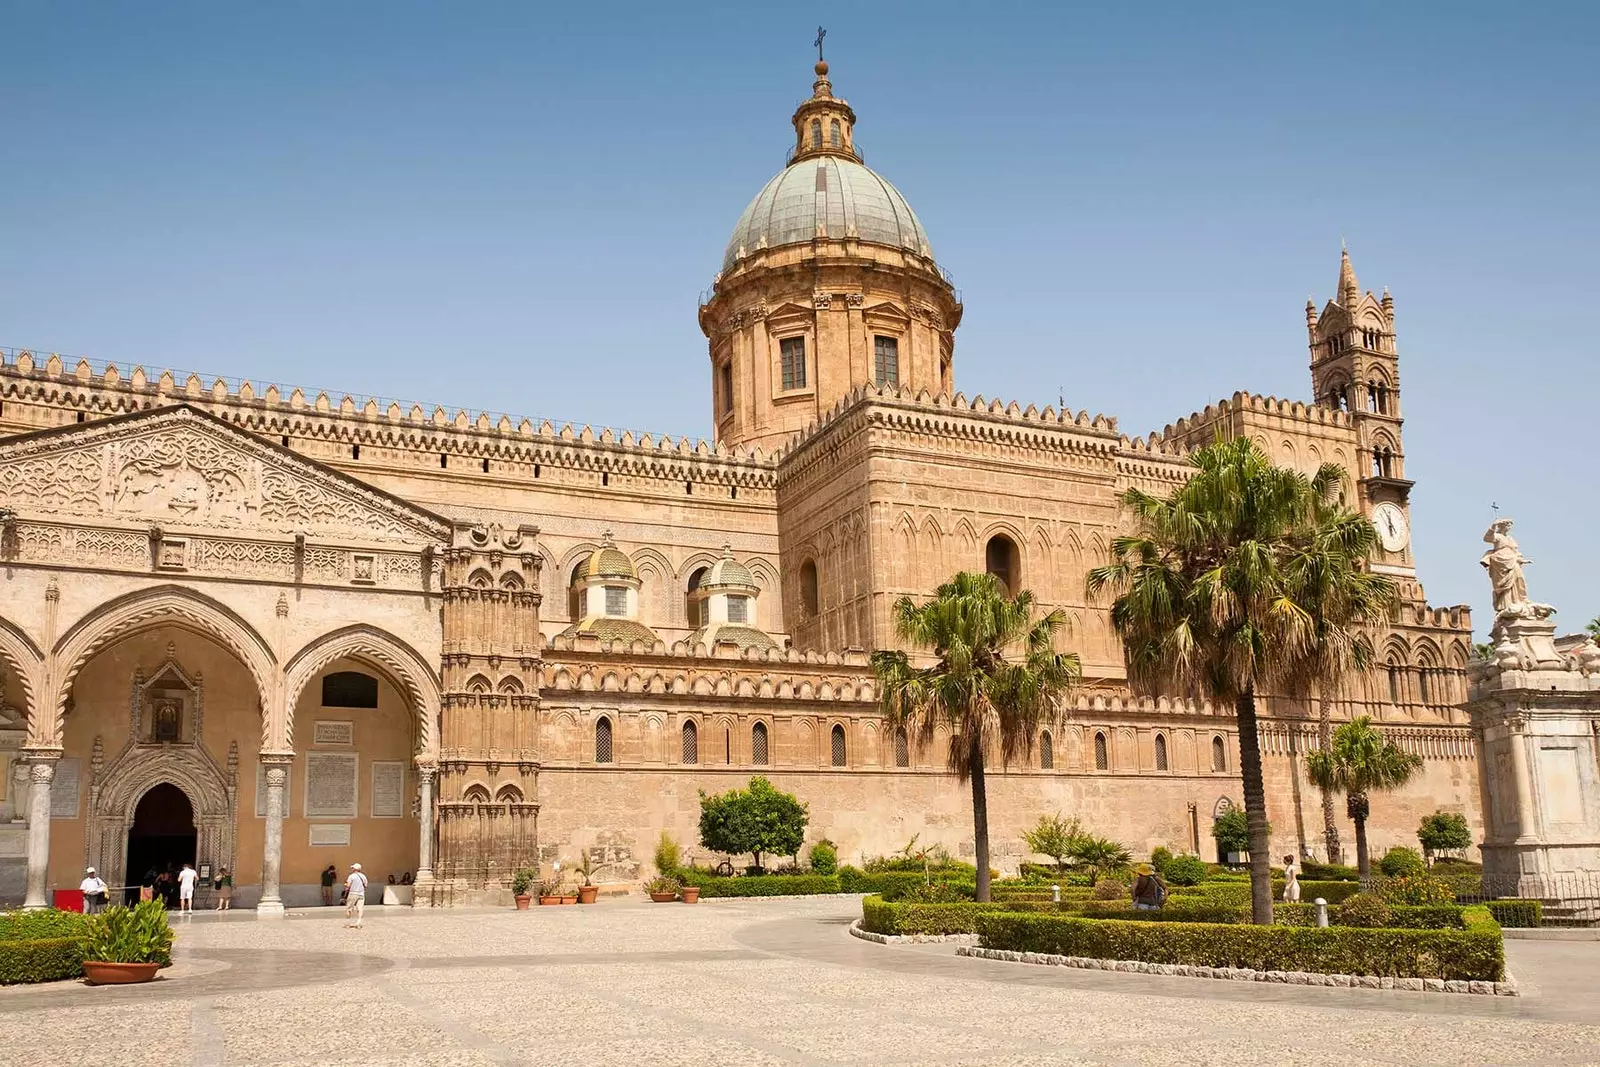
(1566, 899)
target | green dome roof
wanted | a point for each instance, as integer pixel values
(606, 562)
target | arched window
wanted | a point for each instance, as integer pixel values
(1394, 682)
(902, 748)
(1000, 560)
(808, 588)
(602, 740)
(1102, 753)
(838, 745)
(691, 743)
(692, 608)
(349, 689)
(575, 592)
(816, 133)
(1161, 753)
(1425, 684)
(476, 794)
(833, 133)
(1047, 751)
(758, 744)
(1219, 754)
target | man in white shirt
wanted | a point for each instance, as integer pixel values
(94, 892)
(186, 880)
(355, 901)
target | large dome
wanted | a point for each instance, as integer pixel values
(826, 196)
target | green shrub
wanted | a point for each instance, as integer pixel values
(42, 924)
(668, 856)
(824, 857)
(1401, 916)
(904, 917)
(1444, 831)
(1184, 870)
(1363, 910)
(759, 820)
(1159, 860)
(1516, 912)
(1172, 912)
(1113, 890)
(46, 959)
(893, 885)
(1049, 875)
(139, 934)
(522, 881)
(763, 885)
(1475, 953)
(936, 893)
(1402, 862)
(1328, 872)
(1416, 890)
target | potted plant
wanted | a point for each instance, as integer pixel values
(522, 885)
(588, 890)
(569, 894)
(128, 945)
(663, 888)
(550, 891)
(690, 893)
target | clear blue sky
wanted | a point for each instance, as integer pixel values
(515, 206)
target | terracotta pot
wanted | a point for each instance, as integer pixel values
(99, 973)
(586, 893)
(549, 900)
(691, 893)
(663, 898)
(569, 900)
(523, 899)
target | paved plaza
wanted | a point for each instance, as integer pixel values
(742, 982)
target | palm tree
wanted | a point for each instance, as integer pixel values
(1594, 627)
(1361, 761)
(1249, 578)
(1100, 855)
(996, 679)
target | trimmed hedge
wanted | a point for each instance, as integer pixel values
(881, 916)
(1516, 912)
(1475, 953)
(1172, 913)
(45, 959)
(762, 885)
(1403, 917)
(1232, 892)
(43, 923)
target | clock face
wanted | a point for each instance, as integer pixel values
(1393, 532)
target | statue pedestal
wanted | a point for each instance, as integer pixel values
(1524, 638)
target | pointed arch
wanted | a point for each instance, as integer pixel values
(148, 609)
(23, 658)
(407, 671)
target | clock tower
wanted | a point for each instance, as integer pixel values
(1355, 368)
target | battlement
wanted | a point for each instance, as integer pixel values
(1291, 410)
(102, 389)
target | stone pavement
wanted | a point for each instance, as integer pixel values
(741, 982)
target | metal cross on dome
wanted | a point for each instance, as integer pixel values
(821, 33)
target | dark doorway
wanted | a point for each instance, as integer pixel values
(162, 837)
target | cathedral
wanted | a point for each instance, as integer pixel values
(267, 631)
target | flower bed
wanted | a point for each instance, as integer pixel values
(42, 946)
(1475, 953)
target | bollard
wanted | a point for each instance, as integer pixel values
(1055, 894)
(1322, 911)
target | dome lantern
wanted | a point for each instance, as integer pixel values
(824, 125)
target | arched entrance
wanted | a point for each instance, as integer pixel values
(163, 836)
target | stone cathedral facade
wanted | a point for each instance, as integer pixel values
(271, 631)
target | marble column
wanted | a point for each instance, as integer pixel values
(1517, 737)
(271, 903)
(41, 773)
(421, 895)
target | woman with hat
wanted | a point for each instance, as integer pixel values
(1149, 891)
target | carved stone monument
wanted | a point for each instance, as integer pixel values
(1535, 706)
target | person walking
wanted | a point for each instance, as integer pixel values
(1291, 883)
(329, 876)
(1149, 891)
(355, 889)
(224, 888)
(186, 882)
(94, 892)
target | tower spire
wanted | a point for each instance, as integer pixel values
(1348, 291)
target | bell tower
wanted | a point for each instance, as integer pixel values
(1355, 368)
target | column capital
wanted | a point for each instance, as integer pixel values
(280, 759)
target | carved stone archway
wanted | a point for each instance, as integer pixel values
(407, 671)
(115, 792)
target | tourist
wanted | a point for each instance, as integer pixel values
(224, 888)
(391, 879)
(329, 876)
(163, 889)
(355, 889)
(1149, 891)
(405, 879)
(94, 892)
(186, 880)
(147, 885)
(1291, 884)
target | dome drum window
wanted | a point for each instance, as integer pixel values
(886, 362)
(616, 601)
(792, 363)
(738, 609)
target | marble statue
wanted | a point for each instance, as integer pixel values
(1504, 562)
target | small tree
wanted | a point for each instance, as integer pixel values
(1361, 762)
(1444, 831)
(1054, 836)
(1099, 855)
(1594, 627)
(757, 820)
(1232, 831)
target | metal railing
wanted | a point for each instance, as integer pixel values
(1566, 899)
